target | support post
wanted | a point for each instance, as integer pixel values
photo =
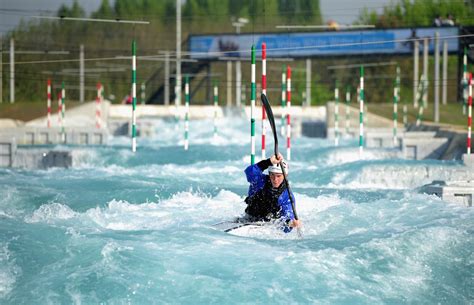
(12, 70)
(416, 54)
(308, 82)
(1, 68)
(238, 83)
(229, 83)
(178, 52)
(81, 73)
(167, 78)
(436, 83)
(445, 73)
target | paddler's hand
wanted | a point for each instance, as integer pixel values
(276, 159)
(296, 223)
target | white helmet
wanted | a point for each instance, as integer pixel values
(277, 169)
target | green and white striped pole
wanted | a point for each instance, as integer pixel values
(336, 114)
(361, 112)
(422, 97)
(253, 89)
(283, 100)
(134, 96)
(186, 115)
(348, 101)
(63, 112)
(469, 115)
(464, 82)
(396, 89)
(216, 108)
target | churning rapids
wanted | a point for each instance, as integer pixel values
(124, 228)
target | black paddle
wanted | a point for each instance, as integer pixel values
(268, 110)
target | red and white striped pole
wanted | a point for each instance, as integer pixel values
(288, 112)
(469, 113)
(98, 106)
(63, 112)
(264, 91)
(283, 101)
(49, 103)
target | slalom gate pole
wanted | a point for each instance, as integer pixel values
(63, 112)
(253, 89)
(396, 100)
(134, 96)
(216, 105)
(405, 108)
(469, 113)
(59, 109)
(464, 82)
(336, 114)
(186, 114)
(48, 123)
(348, 100)
(264, 91)
(283, 100)
(395, 114)
(288, 113)
(361, 111)
(422, 103)
(98, 106)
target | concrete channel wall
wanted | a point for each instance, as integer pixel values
(44, 136)
(425, 142)
(33, 145)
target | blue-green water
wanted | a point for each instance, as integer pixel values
(124, 228)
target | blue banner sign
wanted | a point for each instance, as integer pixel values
(394, 42)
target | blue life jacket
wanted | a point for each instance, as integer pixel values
(264, 203)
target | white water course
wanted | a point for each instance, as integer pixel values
(137, 228)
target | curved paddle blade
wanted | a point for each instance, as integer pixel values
(271, 119)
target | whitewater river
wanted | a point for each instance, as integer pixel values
(124, 228)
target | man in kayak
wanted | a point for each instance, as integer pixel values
(268, 197)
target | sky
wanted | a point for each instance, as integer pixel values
(341, 11)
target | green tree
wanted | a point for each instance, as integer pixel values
(104, 11)
(74, 11)
(418, 13)
(300, 11)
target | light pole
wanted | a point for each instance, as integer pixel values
(238, 71)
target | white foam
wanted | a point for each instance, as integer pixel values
(110, 249)
(121, 215)
(86, 158)
(49, 213)
(9, 271)
(308, 205)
